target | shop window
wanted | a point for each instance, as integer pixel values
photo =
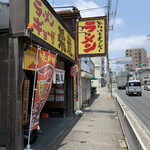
(56, 102)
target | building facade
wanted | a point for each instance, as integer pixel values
(85, 65)
(144, 75)
(16, 42)
(87, 72)
(139, 58)
(99, 64)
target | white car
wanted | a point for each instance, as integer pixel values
(133, 87)
(147, 86)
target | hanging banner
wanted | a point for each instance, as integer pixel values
(59, 76)
(30, 58)
(92, 37)
(45, 74)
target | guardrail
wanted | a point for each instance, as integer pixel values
(135, 136)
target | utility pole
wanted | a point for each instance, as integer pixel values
(108, 76)
(148, 40)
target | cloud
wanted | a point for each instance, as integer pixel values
(83, 5)
(117, 22)
(127, 43)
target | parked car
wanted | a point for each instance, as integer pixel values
(134, 88)
(147, 86)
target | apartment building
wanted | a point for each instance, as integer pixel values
(100, 65)
(139, 58)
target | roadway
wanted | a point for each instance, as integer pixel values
(139, 105)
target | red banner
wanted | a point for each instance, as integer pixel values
(46, 67)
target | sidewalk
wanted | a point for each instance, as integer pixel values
(54, 129)
(98, 128)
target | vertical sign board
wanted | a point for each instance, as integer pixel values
(92, 37)
(59, 76)
(75, 103)
(49, 28)
(25, 101)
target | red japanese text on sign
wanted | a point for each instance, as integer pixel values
(89, 44)
(48, 27)
(42, 18)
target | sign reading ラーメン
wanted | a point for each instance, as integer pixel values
(92, 37)
(48, 28)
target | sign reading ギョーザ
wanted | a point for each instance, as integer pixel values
(48, 28)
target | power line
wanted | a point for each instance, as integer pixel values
(79, 9)
(116, 7)
(93, 8)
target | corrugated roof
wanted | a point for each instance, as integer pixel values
(69, 12)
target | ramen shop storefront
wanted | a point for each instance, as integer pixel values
(47, 52)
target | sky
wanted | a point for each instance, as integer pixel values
(131, 25)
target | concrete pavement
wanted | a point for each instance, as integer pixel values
(98, 128)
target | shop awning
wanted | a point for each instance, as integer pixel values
(94, 78)
(86, 75)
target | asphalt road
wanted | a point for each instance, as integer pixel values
(139, 105)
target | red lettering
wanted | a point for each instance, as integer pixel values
(88, 39)
(38, 9)
(90, 48)
(37, 25)
(47, 16)
(44, 35)
(38, 2)
(90, 26)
